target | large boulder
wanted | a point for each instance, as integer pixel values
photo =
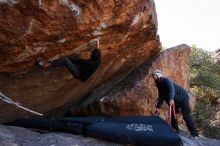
(61, 27)
(137, 93)
(127, 31)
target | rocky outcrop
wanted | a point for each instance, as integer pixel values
(137, 94)
(61, 27)
(127, 31)
(15, 136)
(216, 56)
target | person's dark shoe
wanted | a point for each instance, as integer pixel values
(40, 62)
(194, 136)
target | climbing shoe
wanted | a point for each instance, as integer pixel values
(40, 62)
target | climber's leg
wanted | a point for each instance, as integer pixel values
(71, 67)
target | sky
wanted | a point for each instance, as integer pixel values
(192, 22)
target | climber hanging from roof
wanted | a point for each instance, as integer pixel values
(81, 69)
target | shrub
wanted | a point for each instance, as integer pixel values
(205, 83)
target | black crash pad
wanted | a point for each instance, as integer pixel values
(137, 130)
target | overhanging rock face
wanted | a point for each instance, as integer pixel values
(62, 27)
(127, 31)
